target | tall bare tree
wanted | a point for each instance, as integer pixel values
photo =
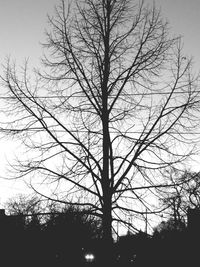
(114, 107)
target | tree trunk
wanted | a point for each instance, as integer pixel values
(107, 255)
(107, 240)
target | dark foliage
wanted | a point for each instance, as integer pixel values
(63, 237)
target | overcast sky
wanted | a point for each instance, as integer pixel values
(22, 25)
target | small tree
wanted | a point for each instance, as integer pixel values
(28, 207)
(110, 111)
(22, 204)
(184, 194)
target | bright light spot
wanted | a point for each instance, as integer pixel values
(89, 257)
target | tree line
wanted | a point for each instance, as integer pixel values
(52, 234)
(55, 237)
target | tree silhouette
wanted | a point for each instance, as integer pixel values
(109, 112)
(56, 237)
(184, 194)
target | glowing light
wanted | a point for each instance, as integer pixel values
(89, 257)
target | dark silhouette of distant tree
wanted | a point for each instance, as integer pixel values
(174, 235)
(184, 194)
(23, 204)
(28, 207)
(110, 111)
(169, 227)
(54, 236)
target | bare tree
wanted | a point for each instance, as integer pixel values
(22, 204)
(184, 194)
(114, 107)
(27, 208)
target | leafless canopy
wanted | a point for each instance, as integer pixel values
(185, 194)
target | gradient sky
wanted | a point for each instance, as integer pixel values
(22, 25)
(184, 19)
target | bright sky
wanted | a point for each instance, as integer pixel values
(22, 25)
(184, 19)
